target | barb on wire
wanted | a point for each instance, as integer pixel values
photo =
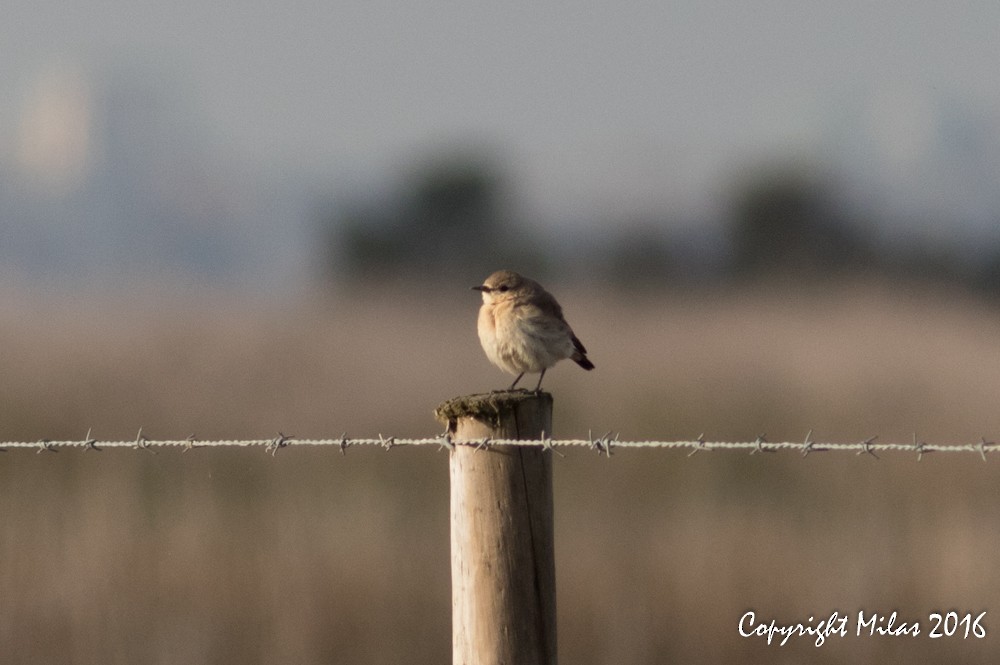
(446, 441)
(603, 445)
(89, 443)
(547, 445)
(921, 448)
(866, 447)
(277, 443)
(759, 444)
(387, 443)
(807, 445)
(983, 443)
(142, 443)
(699, 445)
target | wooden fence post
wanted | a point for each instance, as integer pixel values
(503, 597)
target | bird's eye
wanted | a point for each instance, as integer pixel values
(504, 288)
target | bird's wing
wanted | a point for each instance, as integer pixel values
(544, 302)
(544, 321)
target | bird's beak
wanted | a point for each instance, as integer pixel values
(479, 288)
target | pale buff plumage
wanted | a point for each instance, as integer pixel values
(522, 329)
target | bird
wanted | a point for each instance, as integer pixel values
(522, 329)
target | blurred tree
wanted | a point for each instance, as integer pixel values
(927, 263)
(451, 216)
(787, 223)
(639, 255)
(987, 277)
(362, 237)
(454, 213)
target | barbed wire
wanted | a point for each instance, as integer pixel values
(602, 444)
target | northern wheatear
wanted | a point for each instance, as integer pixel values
(522, 329)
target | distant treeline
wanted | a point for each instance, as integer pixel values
(455, 216)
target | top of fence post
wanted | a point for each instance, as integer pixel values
(507, 414)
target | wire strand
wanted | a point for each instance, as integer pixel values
(603, 444)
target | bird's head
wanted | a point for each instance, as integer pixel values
(501, 285)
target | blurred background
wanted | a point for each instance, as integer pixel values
(233, 220)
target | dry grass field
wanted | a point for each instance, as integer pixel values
(232, 556)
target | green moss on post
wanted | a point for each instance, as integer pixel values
(495, 409)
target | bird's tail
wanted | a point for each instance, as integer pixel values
(580, 354)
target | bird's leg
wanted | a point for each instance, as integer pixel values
(538, 388)
(516, 380)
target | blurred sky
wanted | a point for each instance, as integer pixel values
(622, 108)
